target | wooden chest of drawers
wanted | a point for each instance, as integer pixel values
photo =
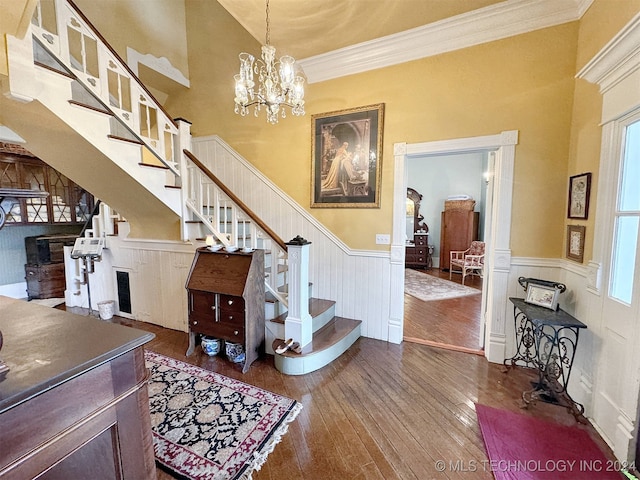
(417, 255)
(226, 299)
(45, 281)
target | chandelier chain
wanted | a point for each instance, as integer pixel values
(278, 84)
(268, 36)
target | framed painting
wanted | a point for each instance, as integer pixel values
(579, 189)
(346, 151)
(575, 242)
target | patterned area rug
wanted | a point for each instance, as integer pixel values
(427, 287)
(208, 426)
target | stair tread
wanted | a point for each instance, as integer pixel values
(334, 331)
(317, 306)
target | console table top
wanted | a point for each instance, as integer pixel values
(544, 316)
(44, 347)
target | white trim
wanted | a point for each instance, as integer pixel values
(14, 290)
(617, 59)
(495, 22)
(499, 253)
(161, 65)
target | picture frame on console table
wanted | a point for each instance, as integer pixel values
(543, 295)
(346, 152)
(575, 242)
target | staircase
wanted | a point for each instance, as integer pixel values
(84, 112)
(331, 337)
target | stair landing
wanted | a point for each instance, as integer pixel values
(328, 343)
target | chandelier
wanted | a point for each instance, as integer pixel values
(278, 85)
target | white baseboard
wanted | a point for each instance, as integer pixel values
(14, 290)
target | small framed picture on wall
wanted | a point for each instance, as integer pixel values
(579, 190)
(575, 242)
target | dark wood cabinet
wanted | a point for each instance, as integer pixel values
(45, 281)
(418, 254)
(67, 202)
(458, 229)
(74, 402)
(226, 299)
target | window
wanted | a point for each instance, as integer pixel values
(627, 217)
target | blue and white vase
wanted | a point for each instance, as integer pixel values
(211, 346)
(235, 352)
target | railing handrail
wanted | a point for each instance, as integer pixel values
(250, 213)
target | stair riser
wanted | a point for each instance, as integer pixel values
(310, 363)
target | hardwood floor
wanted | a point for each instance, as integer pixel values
(381, 411)
(453, 323)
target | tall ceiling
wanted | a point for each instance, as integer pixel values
(304, 28)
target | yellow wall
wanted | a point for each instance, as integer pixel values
(524, 83)
(603, 20)
(159, 31)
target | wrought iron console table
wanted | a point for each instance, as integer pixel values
(546, 340)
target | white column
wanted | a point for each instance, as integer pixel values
(298, 324)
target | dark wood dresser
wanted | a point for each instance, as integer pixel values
(74, 403)
(45, 281)
(417, 254)
(226, 299)
(44, 270)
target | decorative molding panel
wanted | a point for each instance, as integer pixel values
(161, 65)
(617, 60)
(495, 22)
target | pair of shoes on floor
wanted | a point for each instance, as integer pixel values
(288, 345)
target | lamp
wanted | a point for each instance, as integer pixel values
(278, 85)
(209, 241)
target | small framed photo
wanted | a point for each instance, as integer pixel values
(575, 242)
(542, 295)
(347, 158)
(579, 190)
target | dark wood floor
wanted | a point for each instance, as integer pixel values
(381, 411)
(452, 323)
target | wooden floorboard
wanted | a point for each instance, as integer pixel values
(380, 411)
(451, 323)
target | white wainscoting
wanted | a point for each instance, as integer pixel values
(358, 281)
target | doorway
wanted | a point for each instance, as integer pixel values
(498, 227)
(439, 310)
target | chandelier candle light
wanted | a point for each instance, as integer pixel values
(278, 84)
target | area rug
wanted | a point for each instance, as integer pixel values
(208, 426)
(48, 302)
(521, 447)
(427, 287)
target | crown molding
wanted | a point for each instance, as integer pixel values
(495, 22)
(617, 60)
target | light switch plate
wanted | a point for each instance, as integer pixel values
(383, 239)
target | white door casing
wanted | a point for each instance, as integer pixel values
(498, 253)
(616, 69)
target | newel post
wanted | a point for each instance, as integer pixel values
(298, 324)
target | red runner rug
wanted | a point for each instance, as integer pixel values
(521, 447)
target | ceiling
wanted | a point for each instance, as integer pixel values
(305, 28)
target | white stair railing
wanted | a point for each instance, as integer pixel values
(69, 37)
(231, 222)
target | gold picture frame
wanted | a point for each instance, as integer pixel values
(575, 242)
(346, 152)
